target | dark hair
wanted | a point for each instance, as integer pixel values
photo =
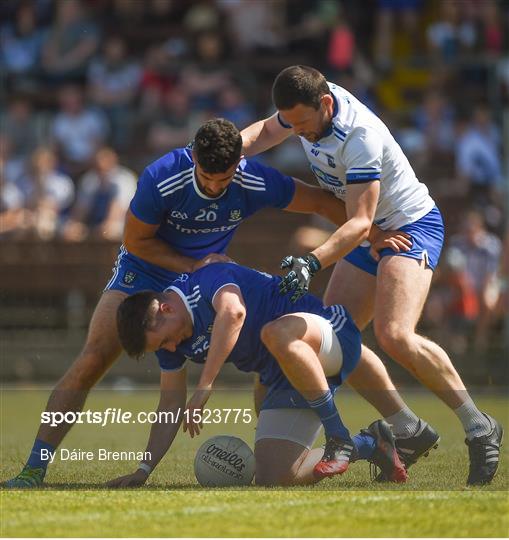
(296, 85)
(218, 145)
(133, 318)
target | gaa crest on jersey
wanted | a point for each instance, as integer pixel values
(235, 215)
(210, 328)
(330, 161)
(129, 277)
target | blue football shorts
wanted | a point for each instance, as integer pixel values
(427, 235)
(130, 276)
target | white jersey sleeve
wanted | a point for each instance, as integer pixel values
(362, 155)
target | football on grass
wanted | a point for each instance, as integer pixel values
(224, 461)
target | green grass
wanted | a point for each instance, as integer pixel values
(433, 503)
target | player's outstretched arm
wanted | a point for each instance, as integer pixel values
(315, 200)
(230, 316)
(170, 410)
(140, 239)
(263, 135)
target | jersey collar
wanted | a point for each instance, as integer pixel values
(334, 114)
(202, 195)
(182, 296)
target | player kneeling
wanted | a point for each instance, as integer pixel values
(302, 352)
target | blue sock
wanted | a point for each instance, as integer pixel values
(326, 409)
(365, 445)
(39, 459)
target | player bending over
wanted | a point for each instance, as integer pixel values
(303, 352)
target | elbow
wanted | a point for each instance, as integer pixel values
(237, 314)
(364, 230)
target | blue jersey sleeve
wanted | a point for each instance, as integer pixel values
(279, 188)
(169, 361)
(146, 204)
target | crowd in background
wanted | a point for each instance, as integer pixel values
(96, 89)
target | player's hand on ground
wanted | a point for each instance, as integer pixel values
(135, 479)
(398, 241)
(209, 259)
(194, 411)
(301, 270)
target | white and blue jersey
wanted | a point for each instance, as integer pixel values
(359, 148)
(192, 223)
(263, 303)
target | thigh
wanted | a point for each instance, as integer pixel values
(353, 288)
(282, 442)
(102, 346)
(402, 287)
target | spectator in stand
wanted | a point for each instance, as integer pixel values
(47, 194)
(20, 123)
(492, 27)
(104, 194)
(435, 120)
(77, 131)
(307, 27)
(255, 26)
(477, 254)
(233, 105)
(72, 42)
(478, 158)
(502, 308)
(12, 166)
(451, 35)
(113, 82)
(20, 47)
(341, 48)
(389, 15)
(12, 215)
(172, 127)
(156, 81)
(503, 78)
(207, 76)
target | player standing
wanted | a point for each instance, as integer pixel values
(353, 154)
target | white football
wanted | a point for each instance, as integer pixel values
(224, 461)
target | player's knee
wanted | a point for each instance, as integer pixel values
(88, 368)
(273, 337)
(394, 339)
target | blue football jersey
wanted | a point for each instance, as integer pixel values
(263, 304)
(193, 223)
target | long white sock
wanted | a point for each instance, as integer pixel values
(404, 423)
(474, 421)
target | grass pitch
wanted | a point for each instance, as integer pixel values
(434, 502)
